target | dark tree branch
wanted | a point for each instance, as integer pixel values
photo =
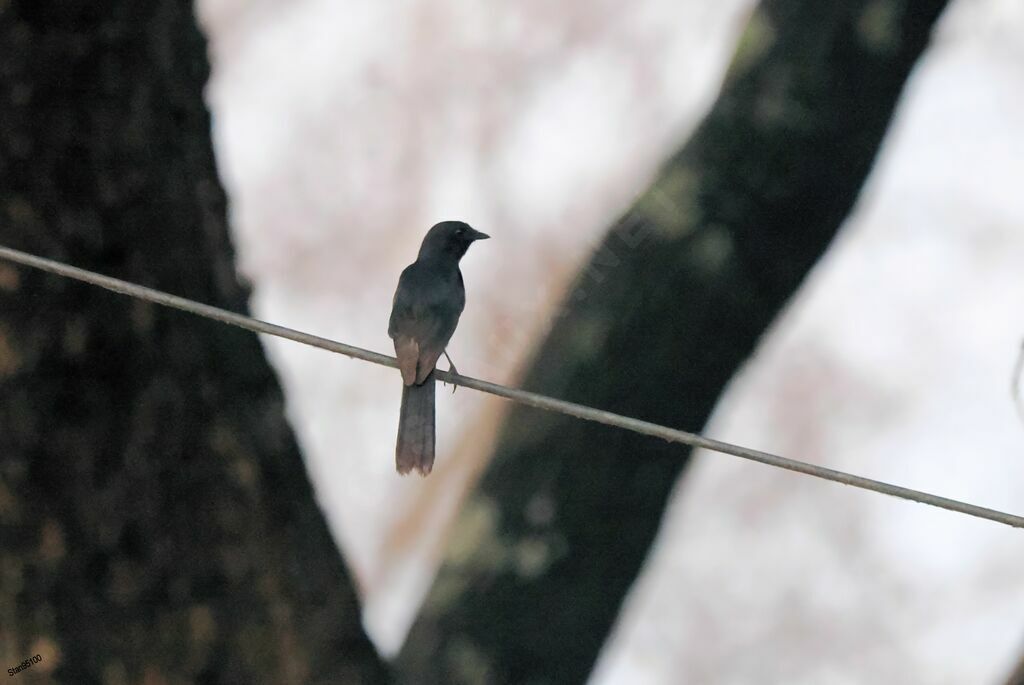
(551, 541)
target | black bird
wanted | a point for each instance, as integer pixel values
(429, 299)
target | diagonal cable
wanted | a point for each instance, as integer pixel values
(521, 396)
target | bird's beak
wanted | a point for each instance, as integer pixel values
(477, 235)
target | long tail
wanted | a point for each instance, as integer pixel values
(415, 448)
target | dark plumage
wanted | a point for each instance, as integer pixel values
(426, 309)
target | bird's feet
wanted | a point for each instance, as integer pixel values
(451, 369)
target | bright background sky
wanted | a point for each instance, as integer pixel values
(345, 129)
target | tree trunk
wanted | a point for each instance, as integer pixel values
(156, 520)
(670, 306)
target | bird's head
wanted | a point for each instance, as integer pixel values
(450, 238)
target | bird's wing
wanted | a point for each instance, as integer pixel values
(432, 346)
(423, 318)
(408, 352)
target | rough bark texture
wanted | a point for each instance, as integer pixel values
(670, 306)
(157, 524)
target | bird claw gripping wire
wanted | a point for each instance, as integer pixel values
(451, 369)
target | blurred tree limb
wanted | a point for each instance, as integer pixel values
(670, 306)
(156, 520)
(1017, 676)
